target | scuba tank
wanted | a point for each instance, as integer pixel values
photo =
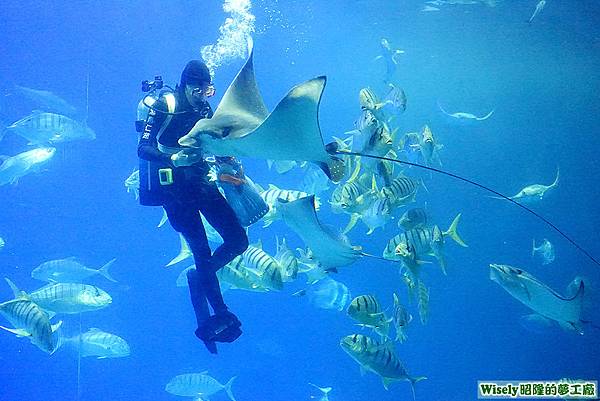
(151, 88)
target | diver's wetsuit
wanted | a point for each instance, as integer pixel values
(191, 192)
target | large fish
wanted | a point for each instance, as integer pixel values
(15, 167)
(98, 343)
(199, 385)
(540, 298)
(67, 298)
(49, 129)
(379, 358)
(242, 127)
(69, 270)
(30, 321)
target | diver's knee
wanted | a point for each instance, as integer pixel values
(192, 275)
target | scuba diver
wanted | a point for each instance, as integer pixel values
(176, 179)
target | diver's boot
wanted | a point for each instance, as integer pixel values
(224, 327)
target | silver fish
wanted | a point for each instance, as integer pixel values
(69, 270)
(15, 167)
(2, 243)
(534, 193)
(540, 298)
(366, 310)
(100, 344)
(254, 258)
(198, 385)
(49, 129)
(68, 297)
(287, 261)
(396, 98)
(327, 293)
(538, 9)
(377, 215)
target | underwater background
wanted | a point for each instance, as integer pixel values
(541, 78)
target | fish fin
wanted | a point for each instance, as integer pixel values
(363, 371)
(56, 326)
(17, 332)
(269, 164)
(387, 381)
(572, 326)
(16, 291)
(104, 270)
(356, 172)
(453, 233)
(227, 388)
(378, 58)
(184, 252)
(370, 231)
(163, 219)
(50, 313)
(533, 249)
(555, 183)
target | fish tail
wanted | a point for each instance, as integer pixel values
(163, 219)
(184, 252)
(555, 183)
(453, 233)
(533, 249)
(104, 270)
(414, 380)
(228, 388)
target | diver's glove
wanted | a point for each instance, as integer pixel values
(185, 157)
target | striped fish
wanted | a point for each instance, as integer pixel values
(241, 278)
(423, 295)
(69, 297)
(401, 319)
(198, 385)
(366, 310)
(287, 261)
(29, 320)
(348, 197)
(100, 344)
(412, 218)
(379, 358)
(50, 128)
(401, 191)
(254, 258)
(377, 214)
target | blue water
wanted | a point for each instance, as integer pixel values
(542, 80)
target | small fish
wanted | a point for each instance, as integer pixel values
(533, 193)
(465, 116)
(565, 310)
(366, 310)
(391, 57)
(327, 293)
(238, 277)
(15, 167)
(401, 191)
(132, 183)
(411, 147)
(377, 215)
(29, 320)
(49, 129)
(314, 180)
(349, 197)
(413, 218)
(67, 298)
(69, 270)
(545, 251)
(100, 344)
(378, 358)
(538, 8)
(47, 100)
(198, 385)
(282, 166)
(287, 261)
(430, 148)
(2, 243)
(428, 8)
(401, 319)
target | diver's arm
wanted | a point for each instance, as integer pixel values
(148, 144)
